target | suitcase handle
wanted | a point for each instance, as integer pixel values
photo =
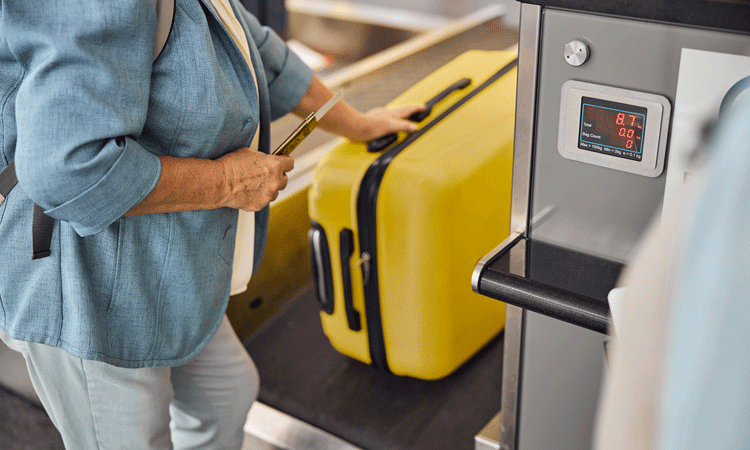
(379, 144)
(321, 267)
(346, 249)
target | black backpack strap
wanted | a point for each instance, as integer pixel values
(42, 225)
(8, 181)
(41, 232)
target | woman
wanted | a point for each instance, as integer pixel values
(143, 163)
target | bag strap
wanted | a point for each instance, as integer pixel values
(42, 224)
(8, 181)
(41, 233)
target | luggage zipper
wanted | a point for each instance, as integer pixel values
(366, 220)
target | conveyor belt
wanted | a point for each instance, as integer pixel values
(303, 376)
(379, 87)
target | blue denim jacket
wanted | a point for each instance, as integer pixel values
(84, 113)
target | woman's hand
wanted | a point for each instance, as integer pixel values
(381, 121)
(243, 179)
(250, 180)
(344, 120)
(253, 179)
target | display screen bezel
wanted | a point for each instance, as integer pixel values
(655, 130)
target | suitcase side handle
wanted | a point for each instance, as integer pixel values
(379, 144)
(320, 262)
(346, 249)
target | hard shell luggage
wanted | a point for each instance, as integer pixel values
(399, 226)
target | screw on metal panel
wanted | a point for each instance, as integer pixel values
(576, 52)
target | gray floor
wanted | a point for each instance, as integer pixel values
(25, 426)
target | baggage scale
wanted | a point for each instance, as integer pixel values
(615, 96)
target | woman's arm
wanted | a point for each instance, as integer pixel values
(250, 180)
(80, 105)
(346, 121)
(244, 179)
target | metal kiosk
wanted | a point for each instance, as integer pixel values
(612, 96)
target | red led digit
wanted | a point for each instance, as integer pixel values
(612, 128)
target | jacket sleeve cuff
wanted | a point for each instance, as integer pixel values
(132, 177)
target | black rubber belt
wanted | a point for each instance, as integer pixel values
(42, 225)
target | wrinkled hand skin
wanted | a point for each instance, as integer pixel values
(253, 179)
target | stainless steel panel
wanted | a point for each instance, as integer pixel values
(562, 374)
(268, 428)
(597, 211)
(528, 45)
(489, 437)
(501, 248)
(600, 211)
(529, 38)
(513, 350)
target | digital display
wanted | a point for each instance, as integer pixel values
(612, 128)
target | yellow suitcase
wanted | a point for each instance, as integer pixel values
(397, 232)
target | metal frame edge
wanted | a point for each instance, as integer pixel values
(523, 149)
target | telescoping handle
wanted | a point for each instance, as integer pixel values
(379, 144)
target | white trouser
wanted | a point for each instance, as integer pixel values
(202, 404)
